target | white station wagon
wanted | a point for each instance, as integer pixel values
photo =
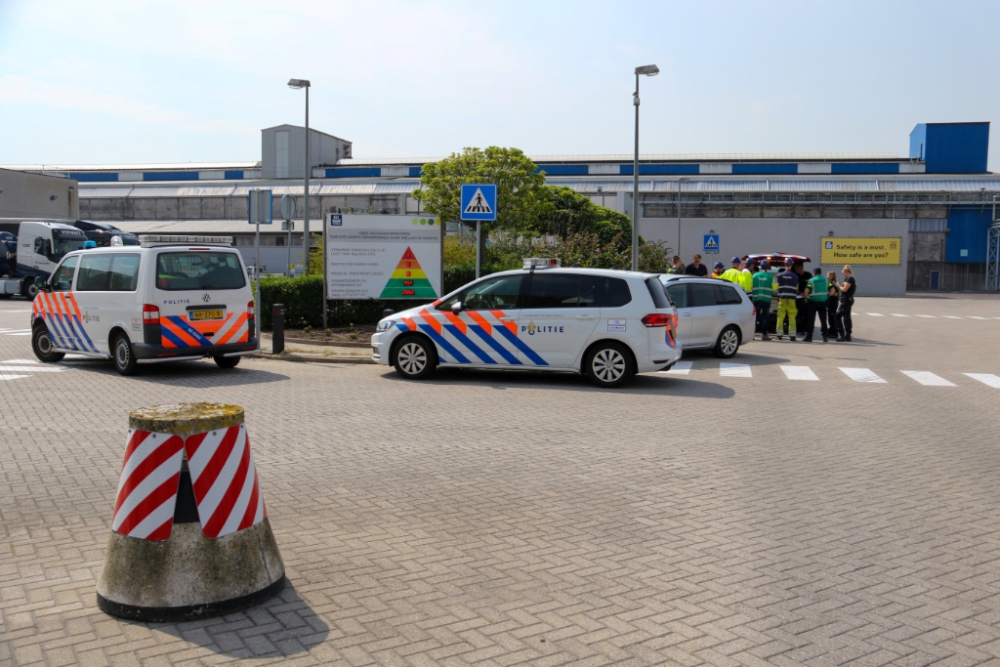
(605, 324)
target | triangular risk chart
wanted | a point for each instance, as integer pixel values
(408, 281)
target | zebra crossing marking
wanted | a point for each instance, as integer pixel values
(730, 370)
(933, 317)
(4, 377)
(954, 317)
(989, 379)
(899, 315)
(862, 375)
(875, 314)
(928, 379)
(680, 368)
(799, 373)
(977, 317)
(33, 369)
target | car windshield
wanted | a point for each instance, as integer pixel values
(198, 270)
(62, 245)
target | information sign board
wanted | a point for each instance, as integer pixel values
(861, 251)
(383, 257)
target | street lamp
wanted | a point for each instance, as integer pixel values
(680, 185)
(645, 70)
(306, 240)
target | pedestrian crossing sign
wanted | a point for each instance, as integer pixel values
(711, 245)
(479, 201)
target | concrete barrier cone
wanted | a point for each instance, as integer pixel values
(190, 536)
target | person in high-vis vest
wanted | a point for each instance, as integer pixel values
(732, 274)
(717, 273)
(763, 289)
(788, 288)
(746, 278)
(816, 295)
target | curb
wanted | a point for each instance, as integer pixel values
(323, 343)
(314, 358)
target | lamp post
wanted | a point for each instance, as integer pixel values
(306, 239)
(680, 186)
(645, 70)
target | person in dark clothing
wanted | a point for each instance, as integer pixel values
(832, 301)
(800, 300)
(847, 289)
(696, 268)
(817, 292)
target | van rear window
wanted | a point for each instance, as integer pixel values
(198, 270)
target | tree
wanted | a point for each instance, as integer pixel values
(521, 192)
(568, 212)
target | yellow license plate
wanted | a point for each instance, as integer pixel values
(206, 315)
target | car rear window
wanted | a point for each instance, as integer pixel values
(198, 270)
(657, 292)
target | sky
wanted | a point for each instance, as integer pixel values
(116, 81)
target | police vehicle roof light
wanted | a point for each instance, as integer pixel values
(152, 240)
(542, 263)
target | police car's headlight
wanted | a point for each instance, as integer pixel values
(384, 325)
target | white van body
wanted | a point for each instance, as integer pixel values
(166, 301)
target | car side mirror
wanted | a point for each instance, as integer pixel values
(41, 284)
(456, 307)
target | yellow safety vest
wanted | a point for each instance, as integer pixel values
(732, 275)
(746, 280)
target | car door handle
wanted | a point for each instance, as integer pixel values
(720, 312)
(685, 314)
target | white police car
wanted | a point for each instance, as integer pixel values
(173, 298)
(606, 324)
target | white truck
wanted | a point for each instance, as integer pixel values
(40, 246)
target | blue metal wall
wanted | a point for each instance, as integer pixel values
(659, 169)
(967, 229)
(951, 148)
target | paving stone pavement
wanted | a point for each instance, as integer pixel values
(498, 518)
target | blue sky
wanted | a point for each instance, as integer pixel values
(120, 82)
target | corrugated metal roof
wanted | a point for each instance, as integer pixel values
(348, 189)
(209, 226)
(648, 157)
(397, 188)
(114, 190)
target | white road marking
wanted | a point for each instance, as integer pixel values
(988, 379)
(899, 315)
(33, 369)
(4, 377)
(875, 314)
(26, 333)
(11, 332)
(927, 378)
(862, 375)
(930, 316)
(954, 317)
(735, 370)
(978, 317)
(799, 373)
(680, 368)
(20, 361)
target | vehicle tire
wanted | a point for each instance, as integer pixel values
(728, 343)
(41, 345)
(30, 289)
(415, 358)
(226, 362)
(124, 355)
(608, 364)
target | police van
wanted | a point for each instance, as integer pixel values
(171, 298)
(603, 323)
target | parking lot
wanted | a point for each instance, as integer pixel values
(818, 504)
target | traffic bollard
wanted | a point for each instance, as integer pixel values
(190, 537)
(278, 328)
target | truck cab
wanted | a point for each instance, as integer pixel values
(40, 247)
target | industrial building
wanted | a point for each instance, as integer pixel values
(938, 199)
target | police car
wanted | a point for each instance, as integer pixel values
(172, 298)
(606, 324)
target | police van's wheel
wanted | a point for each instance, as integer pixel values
(415, 358)
(124, 355)
(226, 362)
(608, 364)
(41, 345)
(728, 343)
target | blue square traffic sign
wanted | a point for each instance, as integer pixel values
(479, 201)
(711, 245)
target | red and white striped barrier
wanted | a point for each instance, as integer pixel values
(223, 476)
(224, 479)
(147, 490)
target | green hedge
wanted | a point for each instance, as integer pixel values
(302, 297)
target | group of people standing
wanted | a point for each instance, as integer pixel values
(801, 296)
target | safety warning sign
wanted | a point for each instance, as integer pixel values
(479, 202)
(383, 257)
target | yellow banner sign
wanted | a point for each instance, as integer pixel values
(861, 251)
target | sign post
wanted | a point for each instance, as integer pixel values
(261, 211)
(479, 204)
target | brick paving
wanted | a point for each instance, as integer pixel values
(491, 518)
